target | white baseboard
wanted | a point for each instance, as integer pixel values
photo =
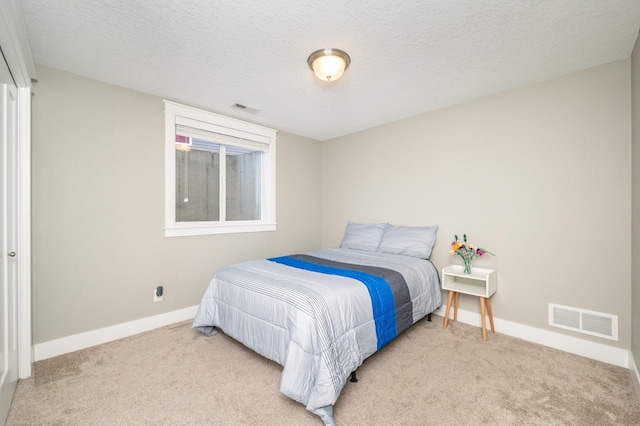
(588, 349)
(563, 342)
(87, 339)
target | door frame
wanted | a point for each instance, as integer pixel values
(17, 53)
(25, 344)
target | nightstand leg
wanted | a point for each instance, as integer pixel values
(455, 307)
(490, 315)
(484, 325)
(446, 315)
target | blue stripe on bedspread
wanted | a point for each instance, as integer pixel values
(382, 301)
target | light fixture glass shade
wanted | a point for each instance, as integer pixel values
(329, 64)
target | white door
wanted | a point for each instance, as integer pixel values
(8, 261)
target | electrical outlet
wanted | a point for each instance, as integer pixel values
(158, 292)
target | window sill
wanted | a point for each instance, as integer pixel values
(192, 230)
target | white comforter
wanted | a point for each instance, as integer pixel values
(319, 327)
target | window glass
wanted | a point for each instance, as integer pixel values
(243, 171)
(197, 181)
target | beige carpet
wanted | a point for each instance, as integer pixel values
(427, 376)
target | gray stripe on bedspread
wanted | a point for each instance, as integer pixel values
(397, 283)
(303, 299)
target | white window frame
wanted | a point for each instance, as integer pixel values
(196, 118)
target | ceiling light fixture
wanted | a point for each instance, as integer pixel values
(329, 64)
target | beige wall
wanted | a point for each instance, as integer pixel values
(98, 191)
(635, 111)
(540, 175)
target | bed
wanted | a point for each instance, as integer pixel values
(321, 314)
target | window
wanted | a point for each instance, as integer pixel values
(219, 174)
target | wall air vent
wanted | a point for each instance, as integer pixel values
(246, 108)
(584, 321)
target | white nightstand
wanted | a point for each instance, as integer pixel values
(480, 282)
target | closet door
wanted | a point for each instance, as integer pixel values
(8, 240)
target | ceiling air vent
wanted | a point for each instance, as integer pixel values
(246, 108)
(584, 321)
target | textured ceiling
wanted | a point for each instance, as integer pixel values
(408, 56)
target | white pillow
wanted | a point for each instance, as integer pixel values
(363, 236)
(409, 240)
